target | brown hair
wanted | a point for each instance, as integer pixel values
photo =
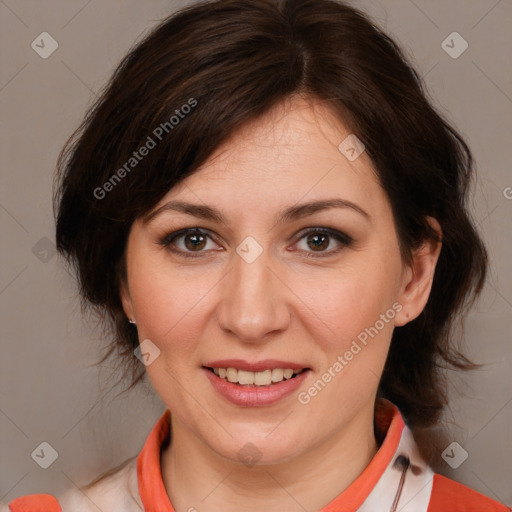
(231, 61)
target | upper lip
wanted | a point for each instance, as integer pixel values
(254, 366)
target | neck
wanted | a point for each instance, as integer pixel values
(195, 477)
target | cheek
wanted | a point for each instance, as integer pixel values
(168, 304)
(170, 312)
(359, 314)
(349, 302)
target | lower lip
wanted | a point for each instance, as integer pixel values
(255, 396)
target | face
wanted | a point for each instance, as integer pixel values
(252, 276)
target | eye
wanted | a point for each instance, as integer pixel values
(187, 241)
(320, 239)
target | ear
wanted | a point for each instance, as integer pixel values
(126, 300)
(418, 277)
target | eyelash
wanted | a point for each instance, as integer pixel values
(342, 238)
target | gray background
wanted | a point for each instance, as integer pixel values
(49, 390)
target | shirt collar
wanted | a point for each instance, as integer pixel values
(397, 475)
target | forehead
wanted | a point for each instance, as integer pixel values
(291, 152)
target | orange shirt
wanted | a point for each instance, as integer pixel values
(397, 479)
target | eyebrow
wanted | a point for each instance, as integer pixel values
(289, 214)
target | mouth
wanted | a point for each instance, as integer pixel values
(262, 378)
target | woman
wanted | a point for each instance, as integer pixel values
(272, 217)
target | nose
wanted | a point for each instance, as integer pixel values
(254, 301)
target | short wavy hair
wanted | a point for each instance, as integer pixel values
(231, 61)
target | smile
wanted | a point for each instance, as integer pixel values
(258, 384)
(261, 378)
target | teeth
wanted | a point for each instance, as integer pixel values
(277, 375)
(232, 375)
(245, 377)
(263, 378)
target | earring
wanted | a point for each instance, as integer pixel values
(131, 321)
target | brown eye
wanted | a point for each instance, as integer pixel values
(194, 241)
(319, 240)
(185, 242)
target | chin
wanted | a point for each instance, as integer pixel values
(259, 450)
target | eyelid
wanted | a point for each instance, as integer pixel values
(342, 238)
(334, 233)
(170, 237)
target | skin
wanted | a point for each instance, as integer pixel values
(284, 305)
